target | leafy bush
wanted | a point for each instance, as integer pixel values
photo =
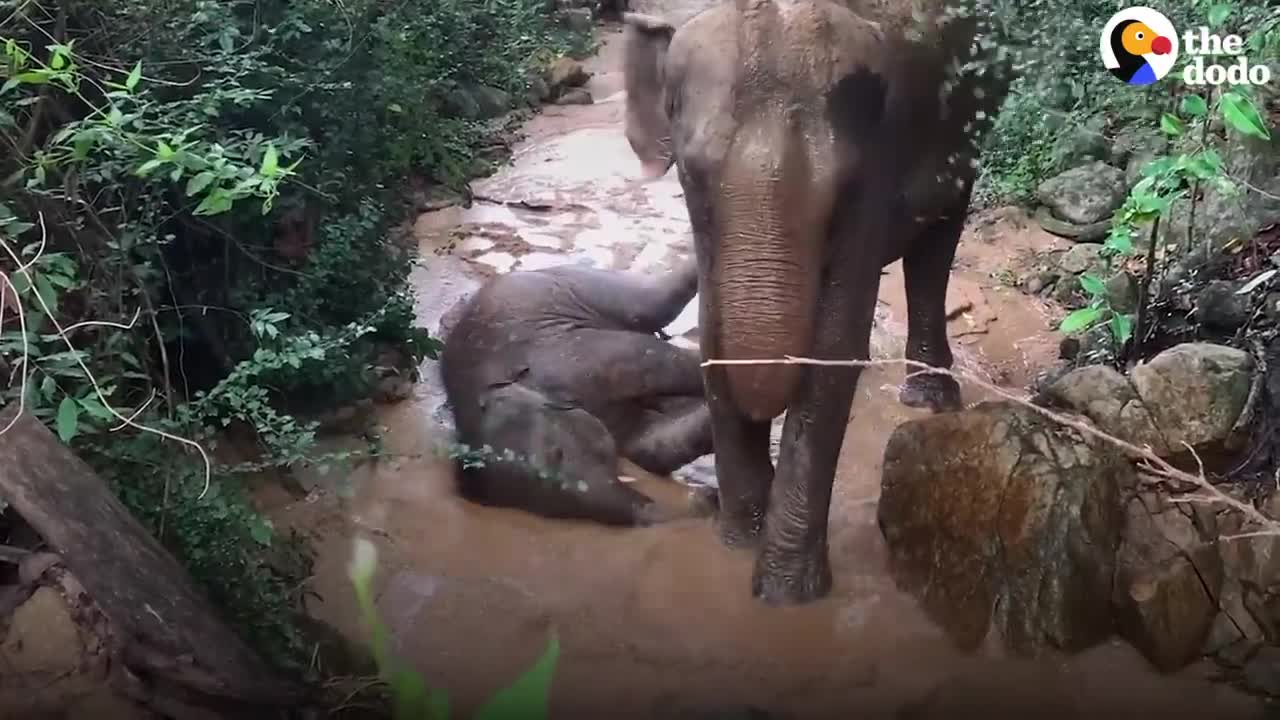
(197, 210)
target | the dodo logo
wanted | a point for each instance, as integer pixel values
(1139, 45)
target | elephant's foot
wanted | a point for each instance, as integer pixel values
(939, 393)
(786, 577)
(704, 502)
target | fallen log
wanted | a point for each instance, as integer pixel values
(167, 632)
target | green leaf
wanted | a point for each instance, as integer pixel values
(1194, 106)
(163, 151)
(1172, 124)
(261, 532)
(68, 419)
(217, 201)
(1080, 319)
(199, 182)
(1120, 240)
(132, 81)
(47, 293)
(145, 168)
(1121, 327)
(270, 161)
(96, 409)
(1243, 117)
(1093, 285)
(1218, 14)
(526, 698)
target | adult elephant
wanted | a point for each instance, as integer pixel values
(816, 143)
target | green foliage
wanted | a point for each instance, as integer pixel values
(526, 697)
(197, 204)
(1165, 180)
(1060, 77)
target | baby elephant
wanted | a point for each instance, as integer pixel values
(563, 368)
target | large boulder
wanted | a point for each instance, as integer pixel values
(998, 516)
(1105, 396)
(1085, 194)
(1195, 392)
(563, 74)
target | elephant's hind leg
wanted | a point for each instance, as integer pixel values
(926, 271)
(609, 503)
(670, 441)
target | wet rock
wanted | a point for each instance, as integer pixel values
(578, 20)
(1220, 308)
(996, 515)
(1223, 634)
(1132, 141)
(1102, 394)
(1081, 258)
(461, 103)
(1122, 292)
(565, 73)
(1098, 345)
(1262, 672)
(1090, 233)
(575, 96)
(491, 102)
(1195, 392)
(1085, 194)
(539, 91)
(1082, 144)
(393, 389)
(1069, 348)
(1039, 282)
(1167, 579)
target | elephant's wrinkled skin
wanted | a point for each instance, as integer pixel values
(814, 146)
(562, 367)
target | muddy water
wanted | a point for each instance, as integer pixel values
(659, 622)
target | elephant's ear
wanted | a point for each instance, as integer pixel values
(492, 389)
(646, 40)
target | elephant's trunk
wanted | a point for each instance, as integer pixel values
(772, 219)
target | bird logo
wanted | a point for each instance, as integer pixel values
(1139, 45)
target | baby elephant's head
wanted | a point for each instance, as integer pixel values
(548, 438)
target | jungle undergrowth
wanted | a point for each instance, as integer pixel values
(202, 195)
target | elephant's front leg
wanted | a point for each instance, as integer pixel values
(744, 470)
(926, 271)
(793, 566)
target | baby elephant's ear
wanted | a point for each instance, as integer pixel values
(646, 40)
